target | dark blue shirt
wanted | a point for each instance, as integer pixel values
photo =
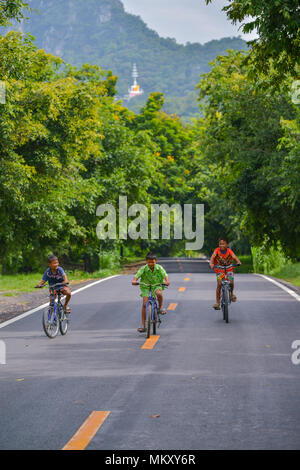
(54, 278)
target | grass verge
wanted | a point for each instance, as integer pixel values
(289, 273)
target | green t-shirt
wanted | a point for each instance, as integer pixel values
(146, 275)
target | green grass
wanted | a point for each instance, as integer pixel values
(289, 273)
(17, 283)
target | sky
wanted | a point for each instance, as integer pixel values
(186, 20)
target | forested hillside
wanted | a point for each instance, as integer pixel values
(101, 32)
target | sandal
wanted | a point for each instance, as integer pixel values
(142, 330)
(216, 307)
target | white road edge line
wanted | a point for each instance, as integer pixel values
(30, 312)
(282, 286)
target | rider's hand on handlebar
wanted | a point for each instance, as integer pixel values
(135, 283)
(38, 287)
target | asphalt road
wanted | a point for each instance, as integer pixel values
(209, 384)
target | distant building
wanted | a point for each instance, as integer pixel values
(135, 89)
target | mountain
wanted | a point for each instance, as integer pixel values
(102, 32)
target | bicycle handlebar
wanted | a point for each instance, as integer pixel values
(54, 285)
(218, 266)
(150, 285)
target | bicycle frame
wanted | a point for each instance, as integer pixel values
(225, 292)
(53, 304)
(54, 317)
(152, 299)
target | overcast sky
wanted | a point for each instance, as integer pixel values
(185, 20)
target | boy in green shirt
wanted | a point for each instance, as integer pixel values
(151, 273)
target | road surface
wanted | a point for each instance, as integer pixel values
(203, 385)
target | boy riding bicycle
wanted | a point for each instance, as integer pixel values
(223, 256)
(56, 275)
(151, 273)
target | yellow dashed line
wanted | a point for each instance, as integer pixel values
(172, 307)
(151, 342)
(87, 431)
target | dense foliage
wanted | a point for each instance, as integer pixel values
(12, 10)
(249, 141)
(277, 24)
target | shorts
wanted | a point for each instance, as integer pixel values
(222, 276)
(145, 291)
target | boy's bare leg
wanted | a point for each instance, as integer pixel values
(160, 299)
(218, 292)
(233, 297)
(218, 295)
(145, 300)
(66, 291)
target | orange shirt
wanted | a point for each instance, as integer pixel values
(223, 259)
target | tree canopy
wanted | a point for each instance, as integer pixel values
(278, 27)
(12, 10)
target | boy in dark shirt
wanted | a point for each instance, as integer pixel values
(56, 275)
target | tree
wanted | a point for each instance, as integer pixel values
(290, 170)
(277, 24)
(65, 148)
(12, 9)
(172, 140)
(238, 140)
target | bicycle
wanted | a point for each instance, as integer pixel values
(152, 310)
(54, 317)
(225, 292)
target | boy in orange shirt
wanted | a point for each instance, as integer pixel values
(223, 256)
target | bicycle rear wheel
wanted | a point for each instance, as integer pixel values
(63, 320)
(50, 321)
(148, 319)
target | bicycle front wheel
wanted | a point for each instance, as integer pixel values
(148, 319)
(63, 321)
(50, 322)
(155, 319)
(225, 306)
